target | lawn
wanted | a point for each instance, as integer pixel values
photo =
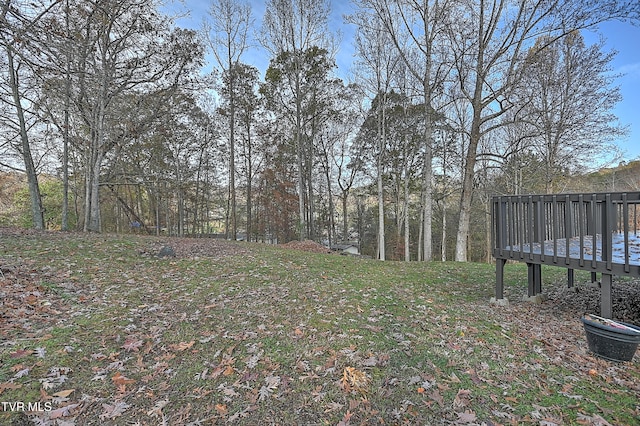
(97, 329)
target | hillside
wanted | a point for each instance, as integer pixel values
(624, 177)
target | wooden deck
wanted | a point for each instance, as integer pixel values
(597, 232)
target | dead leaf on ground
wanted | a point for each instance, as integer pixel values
(466, 418)
(353, 379)
(66, 411)
(113, 411)
(10, 386)
(157, 408)
(222, 409)
(182, 346)
(118, 379)
(132, 344)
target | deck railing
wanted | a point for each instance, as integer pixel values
(597, 232)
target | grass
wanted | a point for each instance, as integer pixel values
(254, 334)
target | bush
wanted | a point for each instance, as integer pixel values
(51, 191)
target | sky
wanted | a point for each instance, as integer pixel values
(621, 37)
(624, 39)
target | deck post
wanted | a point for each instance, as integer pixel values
(570, 278)
(537, 278)
(500, 278)
(606, 308)
(534, 279)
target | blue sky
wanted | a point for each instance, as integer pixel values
(621, 37)
(624, 39)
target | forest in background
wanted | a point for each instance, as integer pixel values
(14, 211)
(109, 123)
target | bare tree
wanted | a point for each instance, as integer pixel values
(377, 63)
(294, 28)
(16, 35)
(246, 110)
(569, 97)
(489, 40)
(348, 157)
(228, 39)
(416, 29)
(123, 46)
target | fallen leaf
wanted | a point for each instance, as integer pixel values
(271, 384)
(21, 353)
(466, 418)
(65, 411)
(462, 398)
(113, 411)
(353, 379)
(157, 408)
(119, 380)
(228, 371)
(132, 344)
(435, 395)
(453, 378)
(182, 346)
(333, 406)
(63, 394)
(22, 373)
(346, 420)
(222, 409)
(10, 386)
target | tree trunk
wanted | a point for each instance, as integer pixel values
(488, 228)
(311, 208)
(345, 222)
(420, 230)
(94, 223)
(443, 248)
(332, 228)
(232, 159)
(407, 253)
(249, 183)
(32, 176)
(64, 223)
(467, 189)
(381, 149)
(381, 243)
(300, 154)
(427, 180)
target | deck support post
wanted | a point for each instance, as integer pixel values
(606, 308)
(534, 273)
(500, 278)
(570, 278)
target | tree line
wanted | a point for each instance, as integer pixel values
(447, 103)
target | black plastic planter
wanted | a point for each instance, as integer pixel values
(612, 343)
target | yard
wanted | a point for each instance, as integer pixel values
(97, 329)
